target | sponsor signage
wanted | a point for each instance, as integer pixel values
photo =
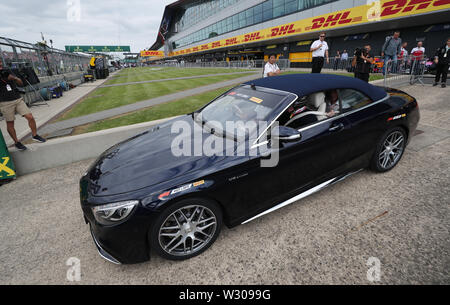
(304, 43)
(152, 54)
(372, 12)
(98, 48)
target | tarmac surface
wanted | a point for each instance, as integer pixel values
(401, 218)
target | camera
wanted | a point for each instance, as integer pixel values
(360, 51)
(4, 73)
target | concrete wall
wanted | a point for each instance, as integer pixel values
(67, 150)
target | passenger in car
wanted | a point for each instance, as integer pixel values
(332, 102)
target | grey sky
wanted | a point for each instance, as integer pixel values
(102, 22)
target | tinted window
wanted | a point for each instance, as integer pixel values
(353, 99)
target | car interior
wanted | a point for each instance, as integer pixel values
(316, 107)
(307, 110)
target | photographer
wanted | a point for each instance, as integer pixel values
(364, 60)
(11, 102)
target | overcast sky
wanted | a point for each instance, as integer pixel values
(101, 22)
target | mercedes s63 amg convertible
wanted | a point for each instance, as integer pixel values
(140, 195)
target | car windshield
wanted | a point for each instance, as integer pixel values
(242, 104)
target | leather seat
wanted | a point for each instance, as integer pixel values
(317, 100)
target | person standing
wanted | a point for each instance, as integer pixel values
(390, 50)
(418, 52)
(271, 68)
(319, 49)
(403, 52)
(364, 61)
(344, 59)
(11, 102)
(403, 57)
(442, 60)
(337, 60)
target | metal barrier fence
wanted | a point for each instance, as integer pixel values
(244, 64)
(43, 59)
(404, 72)
(336, 64)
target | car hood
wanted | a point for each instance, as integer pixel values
(145, 160)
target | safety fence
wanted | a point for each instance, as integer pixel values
(44, 60)
(336, 64)
(405, 71)
(44, 66)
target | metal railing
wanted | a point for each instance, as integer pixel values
(406, 71)
(238, 64)
(336, 64)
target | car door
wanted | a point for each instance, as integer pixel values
(321, 153)
(367, 124)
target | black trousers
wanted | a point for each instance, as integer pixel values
(317, 64)
(362, 76)
(441, 69)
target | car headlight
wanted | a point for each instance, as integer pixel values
(114, 212)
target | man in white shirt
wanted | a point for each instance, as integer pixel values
(271, 68)
(418, 52)
(319, 49)
(403, 53)
(344, 55)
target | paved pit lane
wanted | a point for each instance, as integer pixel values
(401, 218)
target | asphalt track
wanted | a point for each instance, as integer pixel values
(401, 218)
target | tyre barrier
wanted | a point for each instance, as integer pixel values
(64, 85)
(46, 93)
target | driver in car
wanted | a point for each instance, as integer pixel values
(332, 101)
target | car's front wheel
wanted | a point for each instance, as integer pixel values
(186, 228)
(389, 150)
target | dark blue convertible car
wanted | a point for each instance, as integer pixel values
(142, 194)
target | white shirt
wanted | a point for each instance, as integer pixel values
(321, 51)
(344, 56)
(270, 68)
(417, 52)
(404, 53)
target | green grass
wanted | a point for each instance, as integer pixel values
(112, 97)
(179, 107)
(148, 73)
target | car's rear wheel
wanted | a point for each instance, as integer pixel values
(186, 228)
(389, 150)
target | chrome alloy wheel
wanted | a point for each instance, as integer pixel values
(392, 150)
(187, 230)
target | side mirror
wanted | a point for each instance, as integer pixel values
(285, 134)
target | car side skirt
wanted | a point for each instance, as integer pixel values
(303, 195)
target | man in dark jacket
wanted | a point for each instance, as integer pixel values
(364, 61)
(442, 60)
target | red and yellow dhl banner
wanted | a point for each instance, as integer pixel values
(152, 53)
(372, 12)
